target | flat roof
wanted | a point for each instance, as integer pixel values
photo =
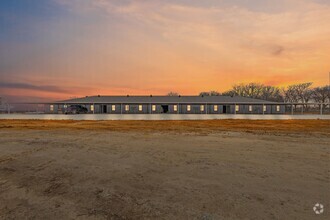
(162, 99)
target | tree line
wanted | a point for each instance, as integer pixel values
(296, 93)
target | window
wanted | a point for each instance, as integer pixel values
(92, 108)
(126, 107)
(188, 108)
(51, 107)
(215, 108)
(175, 108)
(153, 108)
(65, 106)
(278, 108)
(140, 108)
(265, 108)
(237, 108)
(250, 108)
(202, 108)
(113, 107)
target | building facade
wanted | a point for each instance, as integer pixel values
(169, 105)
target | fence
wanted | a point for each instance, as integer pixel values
(151, 117)
(290, 109)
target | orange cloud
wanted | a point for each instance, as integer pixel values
(151, 47)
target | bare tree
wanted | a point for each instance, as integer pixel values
(237, 90)
(229, 93)
(304, 92)
(298, 93)
(271, 93)
(210, 93)
(256, 90)
(253, 90)
(173, 94)
(214, 93)
(290, 95)
(321, 95)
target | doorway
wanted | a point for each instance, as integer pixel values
(224, 109)
(164, 108)
(104, 107)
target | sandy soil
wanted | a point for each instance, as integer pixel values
(230, 169)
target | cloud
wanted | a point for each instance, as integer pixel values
(45, 88)
(27, 99)
(148, 46)
(278, 50)
(229, 27)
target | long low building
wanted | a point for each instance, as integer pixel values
(169, 105)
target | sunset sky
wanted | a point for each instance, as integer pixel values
(56, 49)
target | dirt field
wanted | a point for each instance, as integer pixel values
(228, 169)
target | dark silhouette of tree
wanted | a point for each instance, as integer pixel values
(210, 93)
(257, 91)
(298, 93)
(321, 95)
(173, 94)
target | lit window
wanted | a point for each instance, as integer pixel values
(237, 108)
(51, 107)
(92, 108)
(250, 108)
(202, 108)
(140, 108)
(215, 108)
(65, 106)
(175, 108)
(265, 108)
(153, 108)
(278, 108)
(113, 108)
(188, 108)
(126, 107)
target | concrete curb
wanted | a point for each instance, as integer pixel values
(159, 117)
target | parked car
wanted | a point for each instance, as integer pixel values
(75, 109)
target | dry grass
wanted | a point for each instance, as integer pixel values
(155, 170)
(281, 126)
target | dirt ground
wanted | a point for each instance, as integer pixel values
(222, 169)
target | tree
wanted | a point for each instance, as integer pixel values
(237, 90)
(173, 94)
(253, 90)
(210, 93)
(321, 95)
(298, 93)
(304, 91)
(229, 93)
(271, 93)
(256, 90)
(290, 94)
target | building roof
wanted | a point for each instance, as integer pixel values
(162, 99)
